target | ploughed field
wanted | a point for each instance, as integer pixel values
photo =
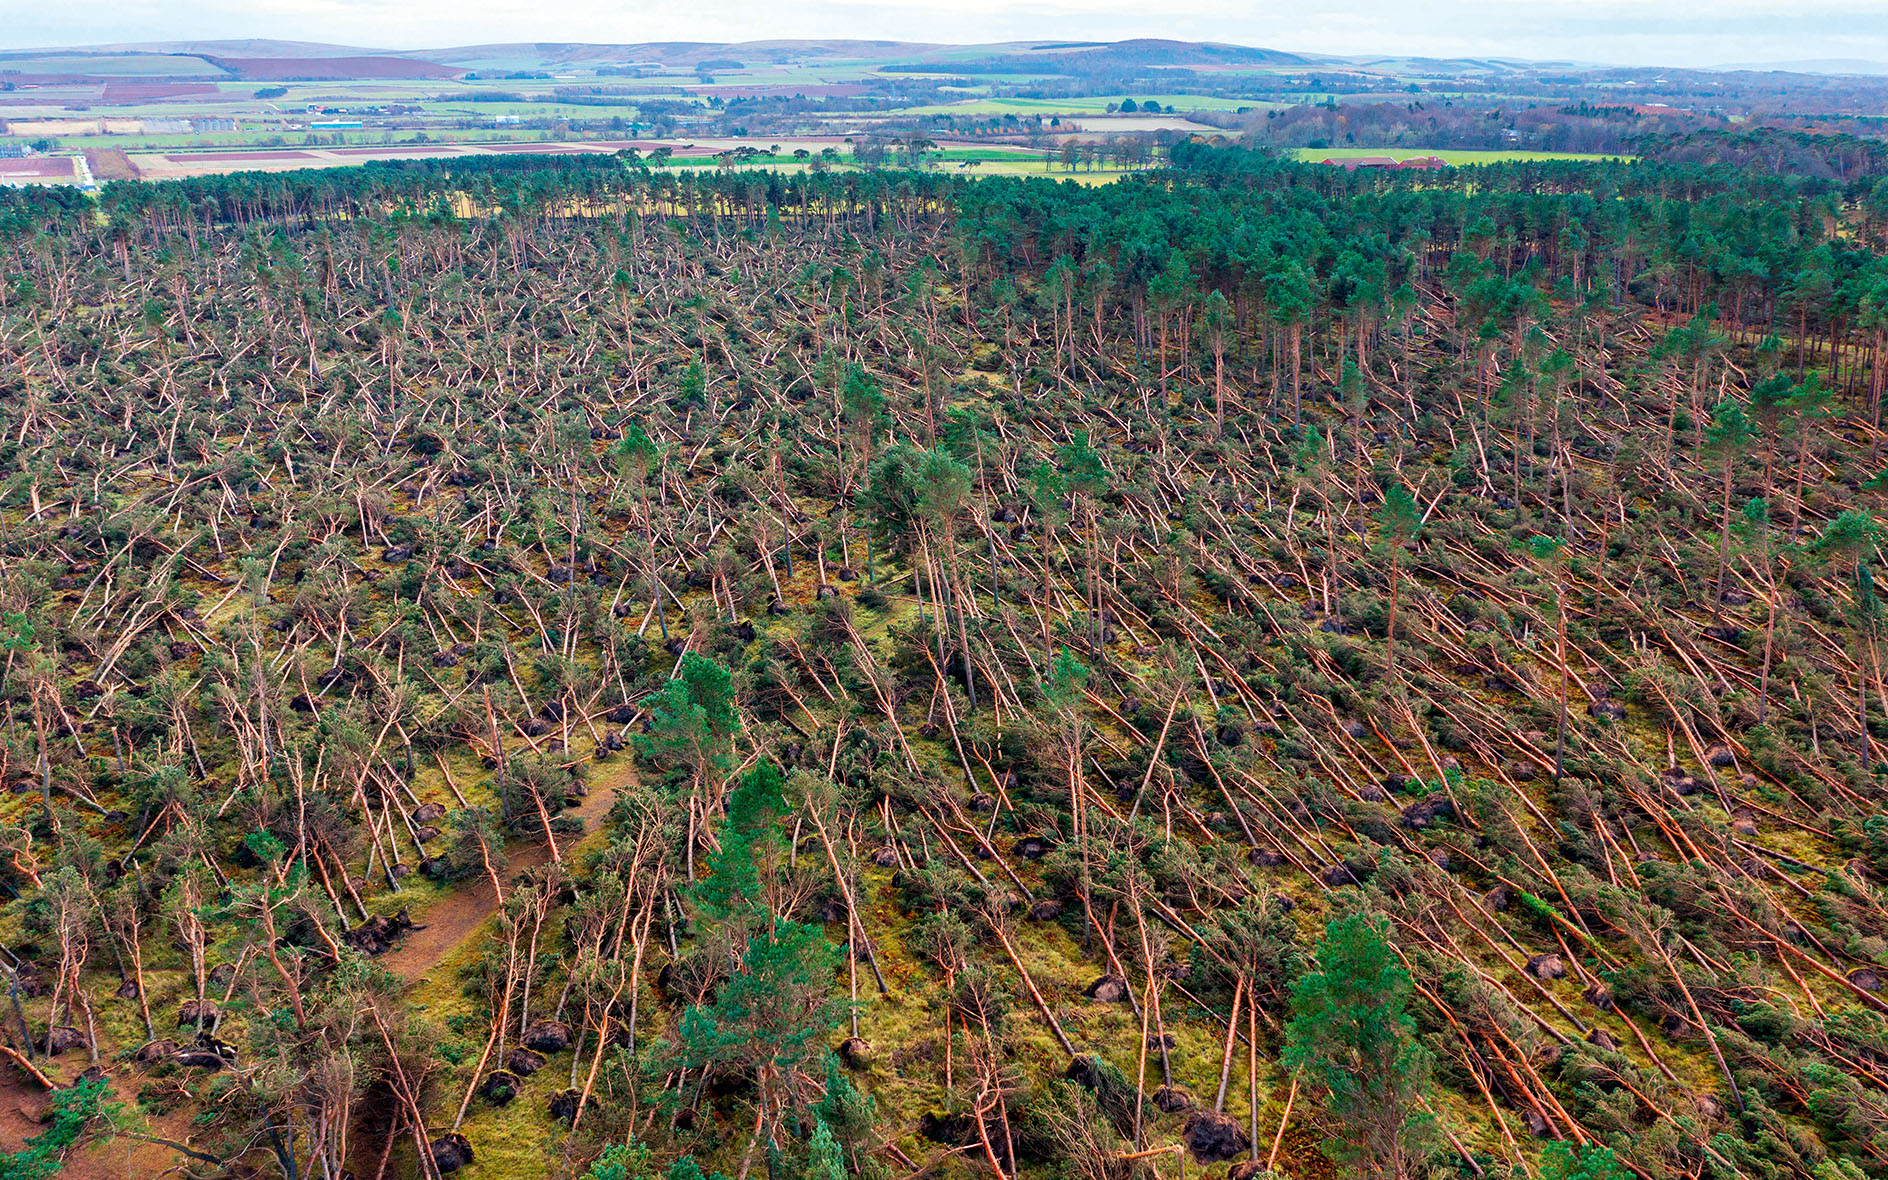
(533, 665)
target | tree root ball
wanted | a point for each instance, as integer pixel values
(547, 1036)
(1214, 1138)
(451, 1152)
(156, 1051)
(565, 1104)
(63, 1037)
(953, 1130)
(501, 1086)
(524, 1062)
(1546, 967)
(1030, 848)
(1173, 1099)
(195, 1011)
(1424, 812)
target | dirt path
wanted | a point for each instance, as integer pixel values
(452, 919)
(458, 916)
(23, 1107)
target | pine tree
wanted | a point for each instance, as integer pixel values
(637, 456)
(1085, 478)
(1564, 1161)
(1549, 554)
(1727, 436)
(691, 721)
(1400, 521)
(823, 1158)
(1754, 526)
(692, 393)
(732, 890)
(1850, 539)
(1352, 1043)
(769, 1019)
(1217, 319)
(691, 727)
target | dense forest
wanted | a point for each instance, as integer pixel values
(543, 667)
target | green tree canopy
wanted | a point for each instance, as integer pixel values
(1352, 1042)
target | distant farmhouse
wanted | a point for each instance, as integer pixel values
(1419, 163)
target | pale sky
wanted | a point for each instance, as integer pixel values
(1662, 32)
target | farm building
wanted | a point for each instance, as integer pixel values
(1352, 163)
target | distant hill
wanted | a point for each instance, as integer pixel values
(325, 68)
(249, 58)
(276, 61)
(548, 54)
(250, 47)
(1454, 66)
(1823, 65)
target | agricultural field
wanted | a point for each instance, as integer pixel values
(159, 65)
(1099, 105)
(1447, 155)
(38, 170)
(155, 162)
(1027, 95)
(518, 663)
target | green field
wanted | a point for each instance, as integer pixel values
(1169, 104)
(1449, 156)
(128, 64)
(446, 110)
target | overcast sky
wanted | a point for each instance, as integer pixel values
(1661, 32)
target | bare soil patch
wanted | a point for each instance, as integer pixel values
(457, 916)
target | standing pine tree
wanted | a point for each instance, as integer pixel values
(769, 1018)
(1726, 438)
(1550, 555)
(691, 727)
(1352, 1044)
(1401, 522)
(1850, 540)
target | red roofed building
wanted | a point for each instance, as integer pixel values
(1352, 163)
